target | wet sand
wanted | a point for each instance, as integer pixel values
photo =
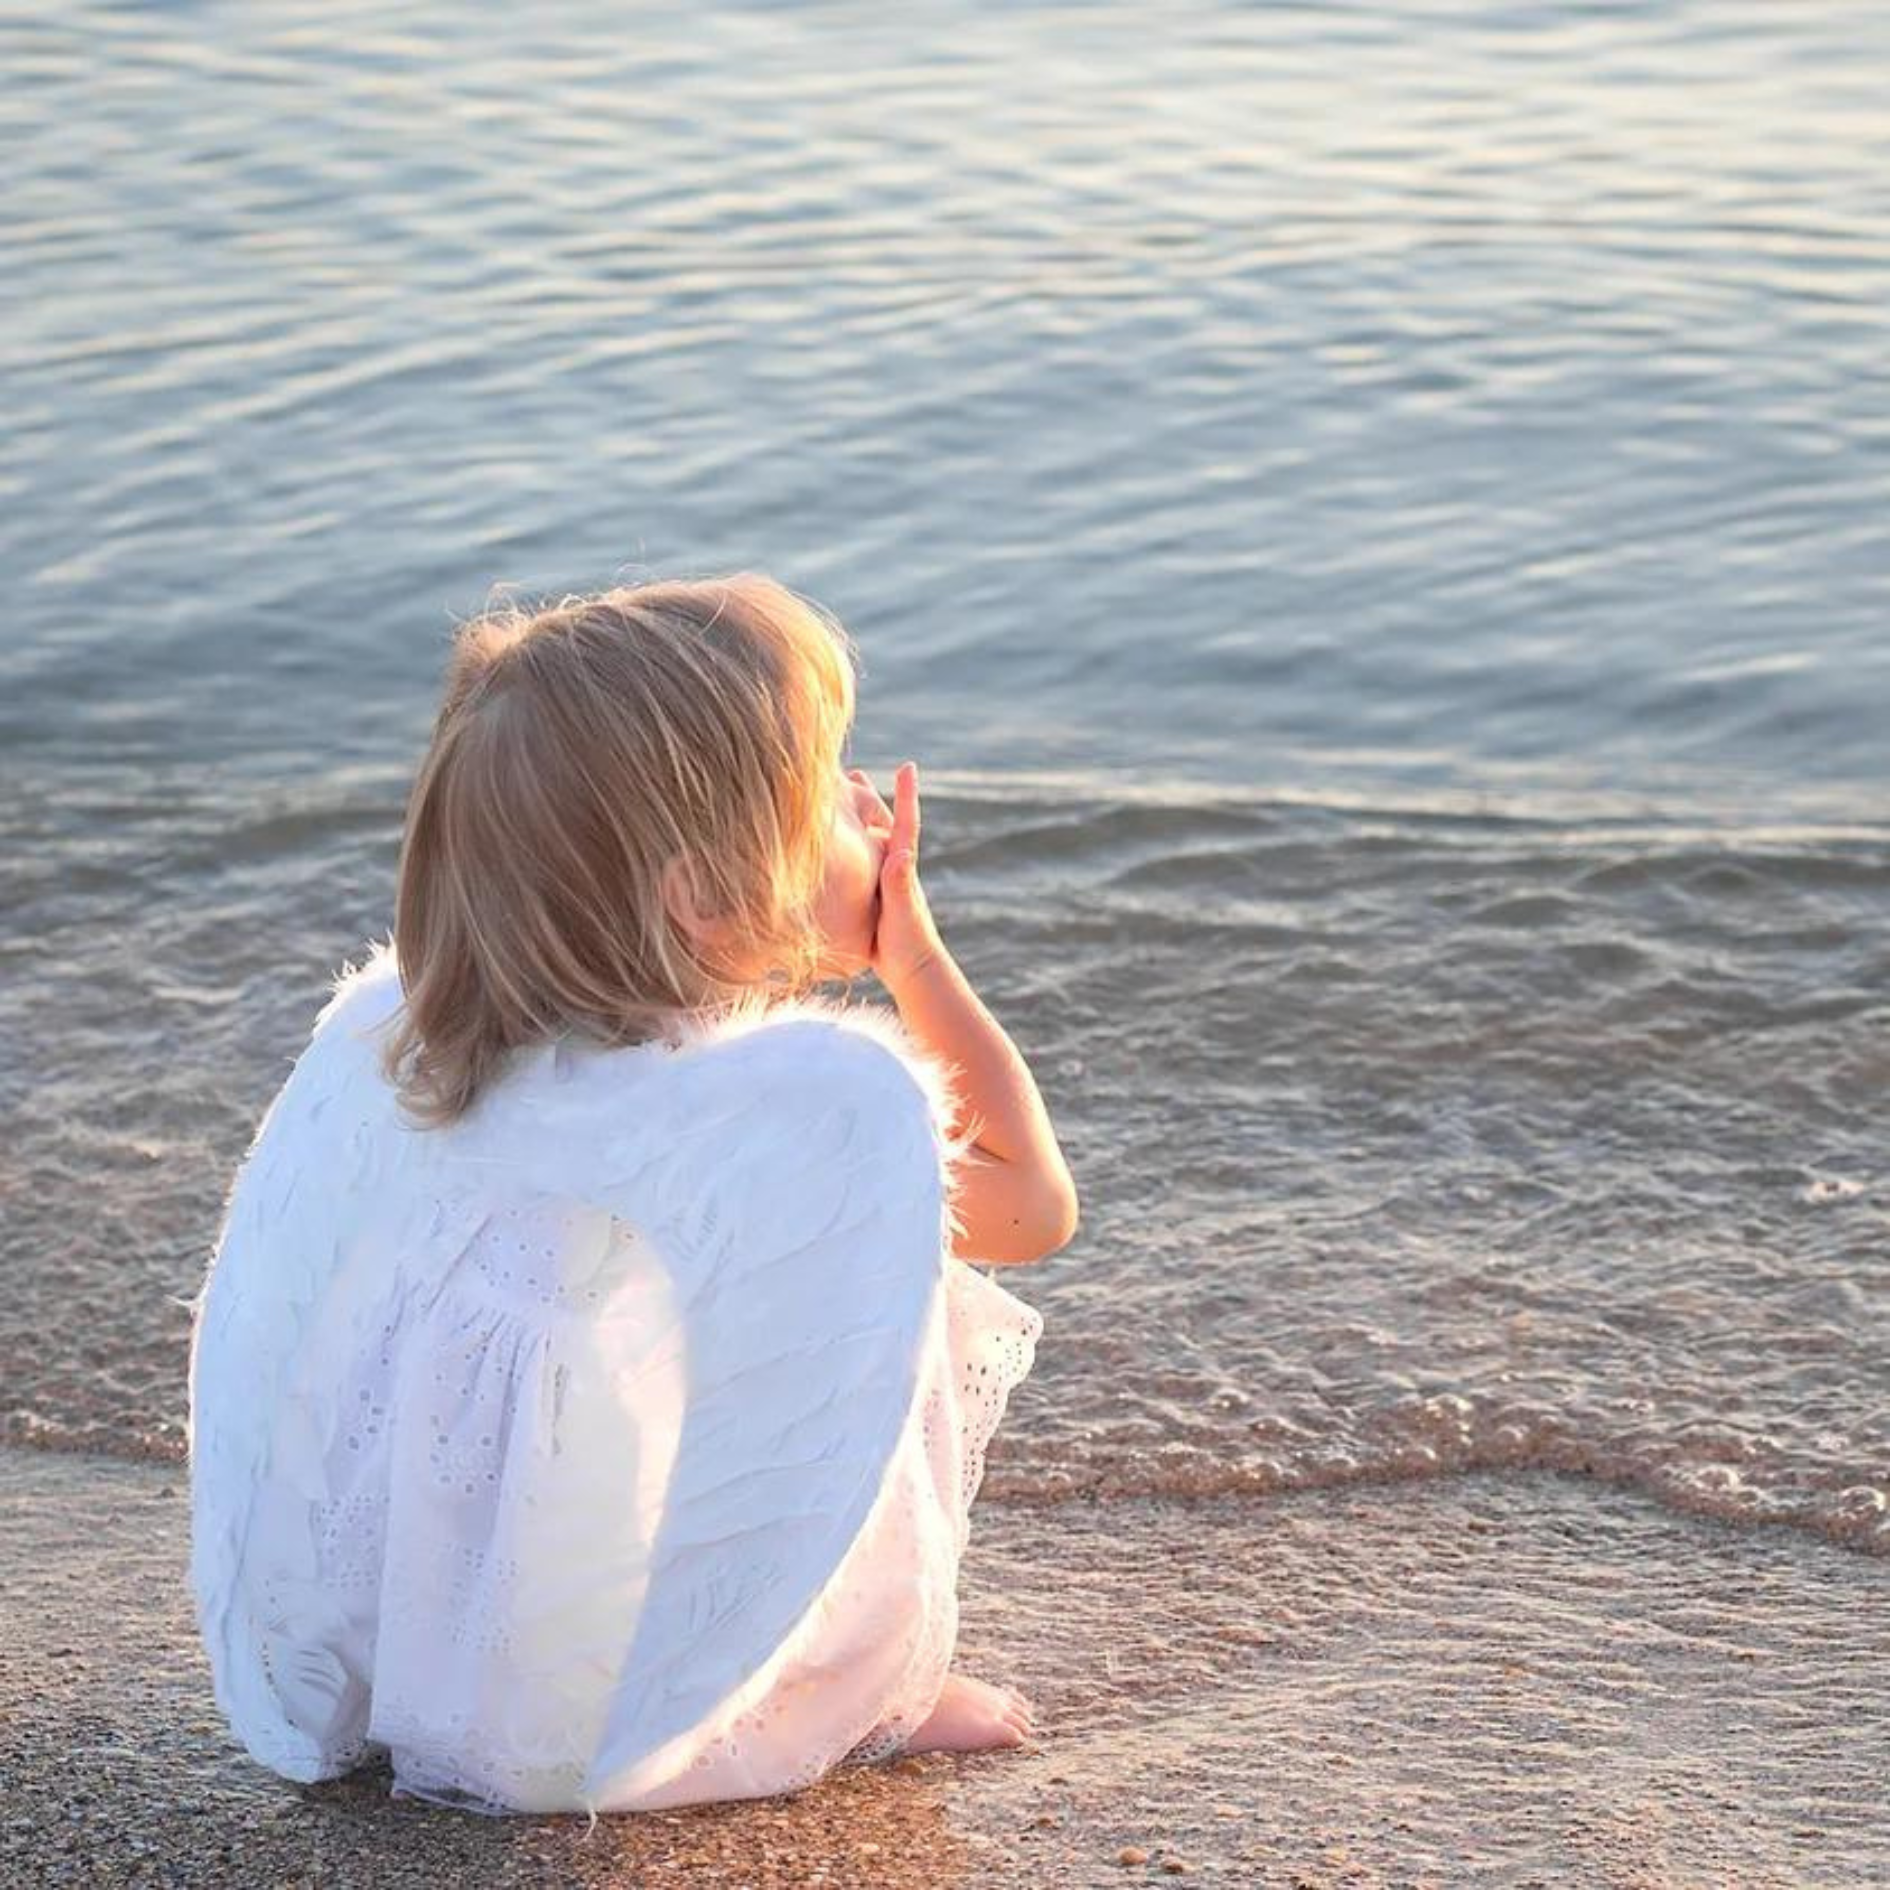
(1523, 1679)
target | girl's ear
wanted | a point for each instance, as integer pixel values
(683, 898)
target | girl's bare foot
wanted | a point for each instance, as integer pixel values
(973, 1716)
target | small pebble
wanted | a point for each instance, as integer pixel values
(1175, 1866)
(1132, 1854)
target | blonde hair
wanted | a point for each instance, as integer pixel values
(578, 749)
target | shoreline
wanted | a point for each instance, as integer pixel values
(1507, 1677)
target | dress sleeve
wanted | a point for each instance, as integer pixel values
(651, 1439)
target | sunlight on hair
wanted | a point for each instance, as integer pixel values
(595, 762)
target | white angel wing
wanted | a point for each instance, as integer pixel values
(807, 1309)
(686, 1442)
(298, 1278)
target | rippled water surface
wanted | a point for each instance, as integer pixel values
(1373, 523)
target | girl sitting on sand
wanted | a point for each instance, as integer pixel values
(588, 1391)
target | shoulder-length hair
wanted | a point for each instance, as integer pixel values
(586, 756)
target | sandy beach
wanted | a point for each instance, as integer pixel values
(1522, 1680)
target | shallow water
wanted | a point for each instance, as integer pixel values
(1371, 523)
(1408, 1141)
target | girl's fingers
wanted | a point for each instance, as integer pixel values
(904, 812)
(902, 842)
(860, 778)
(906, 804)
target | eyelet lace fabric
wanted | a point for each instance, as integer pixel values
(615, 1451)
(991, 1340)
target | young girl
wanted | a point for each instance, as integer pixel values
(588, 1391)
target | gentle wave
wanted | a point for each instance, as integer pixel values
(1449, 1436)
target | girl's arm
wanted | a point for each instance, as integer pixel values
(1015, 1196)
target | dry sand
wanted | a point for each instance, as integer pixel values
(1524, 1680)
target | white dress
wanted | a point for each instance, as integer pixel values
(612, 1448)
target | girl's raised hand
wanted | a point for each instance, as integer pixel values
(906, 939)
